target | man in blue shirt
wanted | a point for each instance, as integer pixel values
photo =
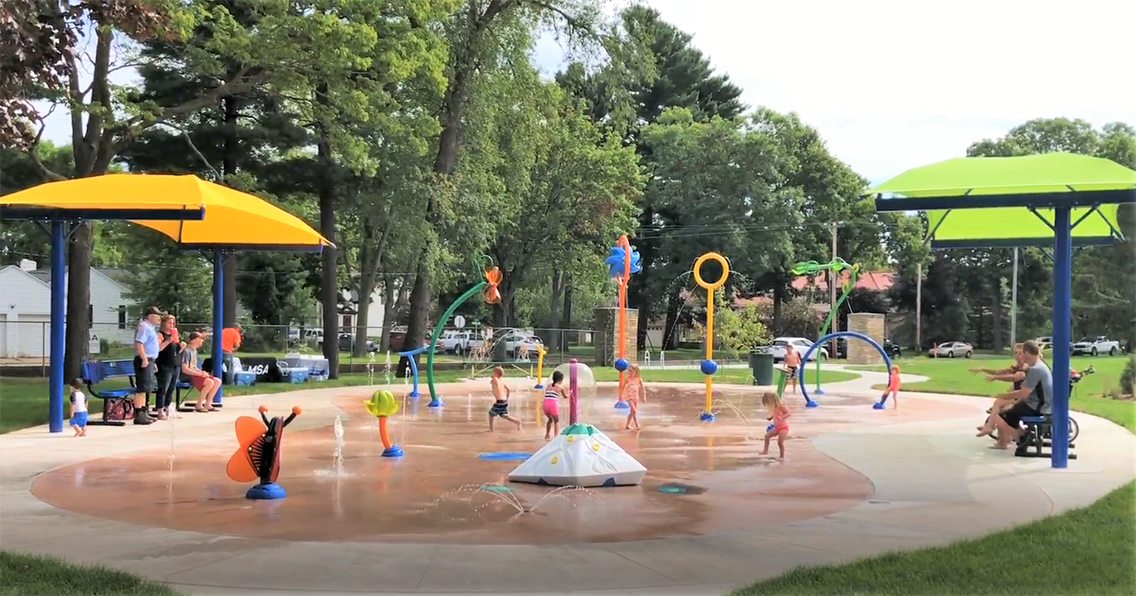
(147, 344)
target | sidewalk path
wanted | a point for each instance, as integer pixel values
(934, 483)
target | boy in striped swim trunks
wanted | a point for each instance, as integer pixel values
(501, 392)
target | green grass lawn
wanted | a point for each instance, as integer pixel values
(34, 575)
(953, 376)
(1087, 551)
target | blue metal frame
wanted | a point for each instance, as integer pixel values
(218, 320)
(1063, 241)
(1019, 242)
(28, 212)
(56, 383)
(1067, 200)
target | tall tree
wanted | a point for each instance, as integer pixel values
(482, 35)
(682, 77)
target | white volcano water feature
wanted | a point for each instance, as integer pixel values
(580, 456)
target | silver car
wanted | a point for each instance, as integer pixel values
(800, 344)
(953, 349)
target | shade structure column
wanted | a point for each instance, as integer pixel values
(1062, 307)
(58, 338)
(218, 319)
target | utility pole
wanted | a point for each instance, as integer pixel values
(919, 307)
(832, 279)
(1014, 302)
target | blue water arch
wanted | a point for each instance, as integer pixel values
(809, 403)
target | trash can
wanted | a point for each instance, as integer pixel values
(761, 364)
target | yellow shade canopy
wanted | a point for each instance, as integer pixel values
(232, 219)
(235, 219)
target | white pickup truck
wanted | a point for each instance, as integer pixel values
(459, 342)
(1096, 345)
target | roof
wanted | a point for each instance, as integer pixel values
(118, 276)
(876, 281)
(28, 274)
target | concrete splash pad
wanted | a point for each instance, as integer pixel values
(443, 492)
(727, 516)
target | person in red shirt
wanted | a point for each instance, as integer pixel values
(230, 341)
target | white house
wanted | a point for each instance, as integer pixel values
(25, 310)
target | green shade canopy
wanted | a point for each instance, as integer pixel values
(973, 181)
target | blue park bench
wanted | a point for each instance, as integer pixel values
(1039, 435)
(118, 402)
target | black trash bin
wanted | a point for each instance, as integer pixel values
(761, 364)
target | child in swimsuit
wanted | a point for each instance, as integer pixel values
(792, 361)
(779, 414)
(78, 409)
(501, 392)
(892, 388)
(633, 391)
(551, 404)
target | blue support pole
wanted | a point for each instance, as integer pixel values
(1062, 305)
(58, 309)
(218, 317)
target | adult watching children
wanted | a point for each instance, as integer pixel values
(1034, 398)
(147, 345)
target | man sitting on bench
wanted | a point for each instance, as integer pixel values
(1032, 399)
(205, 383)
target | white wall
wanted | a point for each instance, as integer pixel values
(25, 302)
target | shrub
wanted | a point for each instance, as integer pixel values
(1128, 376)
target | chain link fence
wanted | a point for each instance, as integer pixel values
(26, 344)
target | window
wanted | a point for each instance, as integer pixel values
(122, 316)
(346, 322)
(90, 316)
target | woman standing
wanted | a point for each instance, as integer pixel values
(169, 366)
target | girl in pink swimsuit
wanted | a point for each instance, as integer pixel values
(633, 391)
(779, 414)
(551, 404)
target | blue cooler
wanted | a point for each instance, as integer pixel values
(244, 378)
(294, 375)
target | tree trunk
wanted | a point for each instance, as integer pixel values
(555, 299)
(444, 163)
(671, 321)
(367, 283)
(419, 309)
(78, 301)
(566, 312)
(229, 169)
(779, 292)
(390, 307)
(329, 282)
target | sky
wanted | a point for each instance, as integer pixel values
(893, 85)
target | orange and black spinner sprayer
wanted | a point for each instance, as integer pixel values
(258, 456)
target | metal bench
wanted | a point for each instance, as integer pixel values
(1038, 435)
(118, 402)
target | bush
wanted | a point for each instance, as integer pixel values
(1128, 376)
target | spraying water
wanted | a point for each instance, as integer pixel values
(371, 369)
(337, 455)
(387, 368)
(500, 494)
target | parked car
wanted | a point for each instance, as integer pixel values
(1044, 342)
(1096, 345)
(515, 338)
(800, 344)
(347, 344)
(893, 350)
(953, 349)
(459, 341)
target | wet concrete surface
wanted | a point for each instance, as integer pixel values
(703, 478)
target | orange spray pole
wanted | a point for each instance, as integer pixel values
(622, 350)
